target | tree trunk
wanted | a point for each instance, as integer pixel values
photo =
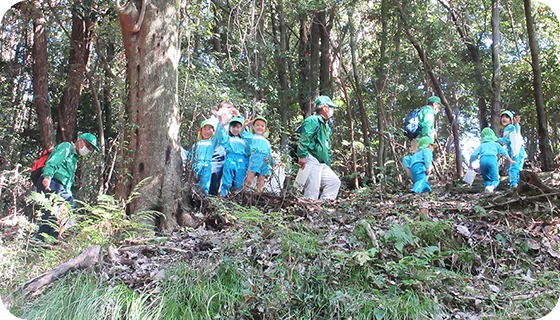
(544, 142)
(78, 59)
(257, 60)
(354, 172)
(497, 75)
(325, 83)
(363, 112)
(40, 81)
(315, 57)
(305, 92)
(152, 47)
(380, 83)
(279, 30)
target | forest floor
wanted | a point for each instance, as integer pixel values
(457, 253)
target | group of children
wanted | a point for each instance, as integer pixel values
(248, 153)
(419, 165)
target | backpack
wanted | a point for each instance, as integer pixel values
(412, 124)
(294, 142)
(37, 168)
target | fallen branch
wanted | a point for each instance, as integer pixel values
(519, 199)
(88, 258)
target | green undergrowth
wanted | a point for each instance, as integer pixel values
(276, 266)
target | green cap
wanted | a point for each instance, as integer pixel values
(507, 113)
(90, 138)
(424, 142)
(433, 99)
(321, 100)
(236, 119)
(488, 135)
(207, 122)
(260, 118)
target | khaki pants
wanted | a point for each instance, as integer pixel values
(321, 176)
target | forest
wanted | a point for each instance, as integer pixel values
(142, 75)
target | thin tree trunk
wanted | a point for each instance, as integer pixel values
(354, 166)
(40, 81)
(305, 93)
(325, 85)
(497, 75)
(150, 30)
(544, 143)
(363, 112)
(380, 84)
(279, 31)
(315, 57)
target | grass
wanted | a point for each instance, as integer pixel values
(81, 296)
(273, 267)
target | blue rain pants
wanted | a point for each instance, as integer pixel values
(420, 178)
(235, 169)
(203, 170)
(489, 170)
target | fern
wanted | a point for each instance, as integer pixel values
(400, 236)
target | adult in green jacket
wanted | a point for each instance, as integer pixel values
(59, 173)
(314, 152)
(427, 118)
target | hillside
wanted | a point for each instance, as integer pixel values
(452, 254)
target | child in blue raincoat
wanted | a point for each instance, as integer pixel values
(421, 165)
(488, 153)
(260, 154)
(202, 152)
(237, 151)
(512, 140)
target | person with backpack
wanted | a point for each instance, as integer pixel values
(59, 173)
(421, 122)
(314, 152)
(427, 118)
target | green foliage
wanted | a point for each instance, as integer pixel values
(206, 294)
(400, 236)
(81, 296)
(107, 221)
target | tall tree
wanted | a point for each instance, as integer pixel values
(80, 44)
(363, 112)
(279, 31)
(150, 30)
(544, 143)
(324, 26)
(473, 44)
(40, 81)
(381, 82)
(497, 71)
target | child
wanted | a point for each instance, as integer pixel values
(488, 152)
(260, 157)
(512, 139)
(406, 161)
(421, 165)
(235, 166)
(202, 152)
